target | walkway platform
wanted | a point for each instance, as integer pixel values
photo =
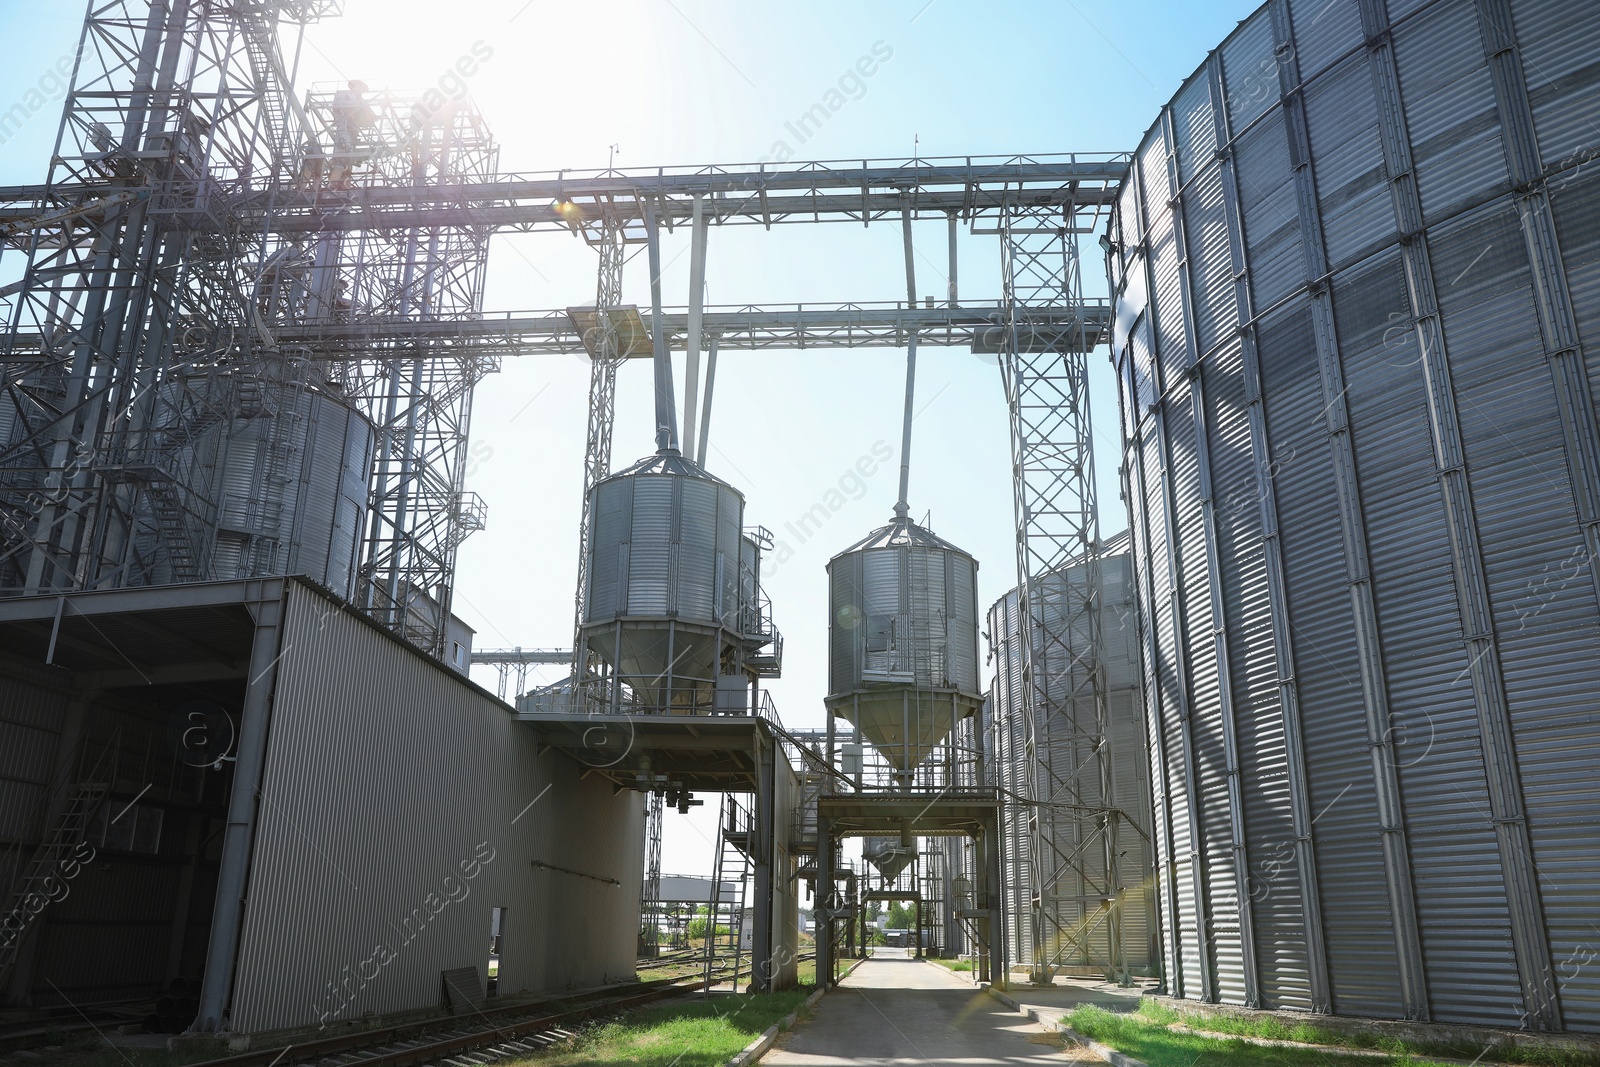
(904, 1010)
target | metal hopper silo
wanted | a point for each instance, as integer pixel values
(673, 607)
(903, 640)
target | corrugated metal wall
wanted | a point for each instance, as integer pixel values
(399, 805)
(1131, 777)
(1356, 268)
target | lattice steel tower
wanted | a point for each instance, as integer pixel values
(1070, 876)
(159, 425)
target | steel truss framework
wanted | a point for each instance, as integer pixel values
(1071, 876)
(579, 202)
(136, 318)
(509, 662)
(611, 242)
(144, 330)
(210, 248)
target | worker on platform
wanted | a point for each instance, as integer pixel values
(313, 164)
(352, 118)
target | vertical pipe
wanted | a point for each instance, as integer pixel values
(666, 409)
(901, 508)
(705, 413)
(697, 287)
(266, 609)
(953, 227)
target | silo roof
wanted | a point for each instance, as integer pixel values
(668, 461)
(902, 532)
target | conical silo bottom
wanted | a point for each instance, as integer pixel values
(905, 725)
(887, 854)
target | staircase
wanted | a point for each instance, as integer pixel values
(283, 448)
(261, 45)
(177, 537)
(733, 866)
(53, 861)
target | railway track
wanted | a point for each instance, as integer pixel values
(510, 1031)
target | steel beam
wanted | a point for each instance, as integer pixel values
(980, 327)
(968, 187)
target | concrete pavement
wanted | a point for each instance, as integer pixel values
(891, 1011)
(1054, 1001)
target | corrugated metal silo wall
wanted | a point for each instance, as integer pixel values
(1357, 295)
(1130, 777)
(399, 805)
(1007, 737)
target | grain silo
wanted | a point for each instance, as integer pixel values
(673, 609)
(1355, 281)
(903, 641)
(1112, 920)
(273, 481)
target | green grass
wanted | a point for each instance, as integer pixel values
(1146, 1034)
(954, 965)
(697, 1034)
(1148, 1038)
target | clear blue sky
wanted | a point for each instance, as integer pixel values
(716, 81)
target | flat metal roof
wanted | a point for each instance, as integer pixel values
(707, 753)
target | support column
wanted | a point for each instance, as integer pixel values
(954, 302)
(232, 877)
(763, 829)
(827, 901)
(996, 959)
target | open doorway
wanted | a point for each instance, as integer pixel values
(497, 919)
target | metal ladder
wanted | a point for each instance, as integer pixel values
(64, 836)
(733, 863)
(283, 447)
(174, 529)
(261, 46)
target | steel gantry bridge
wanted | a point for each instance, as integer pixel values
(212, 246)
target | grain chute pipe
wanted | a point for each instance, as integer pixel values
(901, 507)
(705, 413)
(697, 287)
(666, 407)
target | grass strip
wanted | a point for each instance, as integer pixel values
(703, 1033)
(954, 965)
(1160, 1036)
(1274, 1029)
(1147, 1036)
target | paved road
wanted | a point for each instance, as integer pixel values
(904, 1011)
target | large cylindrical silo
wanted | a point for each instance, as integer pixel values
(293, 493)
(903, 641)
(257, 481)
(1079, 895)
(673, 603)
(1356, 275)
